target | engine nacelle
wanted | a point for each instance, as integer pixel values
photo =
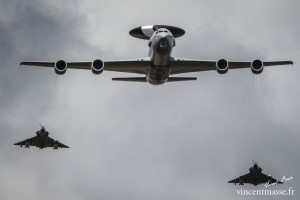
(97, 66)
(257, 66)
(222, 66)
(60, 67)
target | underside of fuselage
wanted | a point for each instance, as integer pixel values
(161, 44)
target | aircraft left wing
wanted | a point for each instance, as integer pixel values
(268, 179)
(55, 144)
(139, 66)
(179, 65)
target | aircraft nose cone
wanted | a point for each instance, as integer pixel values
(163, 44)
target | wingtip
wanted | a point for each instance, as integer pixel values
(22, 63)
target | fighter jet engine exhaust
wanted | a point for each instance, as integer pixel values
(257, 66)
(222, 66)
(97, 66)
(60, 67)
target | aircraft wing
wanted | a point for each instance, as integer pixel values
(245, 179)
(179, 65)
(265, 178)
(60, 145)
(55, 143)
(139, 66)
(235, 181)
(31, 142)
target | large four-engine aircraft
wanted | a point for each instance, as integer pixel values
(159, 67)
(255, 177)
(41, 140)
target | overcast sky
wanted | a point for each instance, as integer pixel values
(132, 141)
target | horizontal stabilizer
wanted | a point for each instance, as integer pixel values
(173, 79)
(143, 79)
(132, 79)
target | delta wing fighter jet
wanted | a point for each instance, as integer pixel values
(255, 177)
(41, 140)
(159, 67)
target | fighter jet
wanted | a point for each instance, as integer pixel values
(255, 177)
(42, 140)
(159, 66)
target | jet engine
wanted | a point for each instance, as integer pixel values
(97, 66)
(60, 67)
(222, 66)
(257, 66)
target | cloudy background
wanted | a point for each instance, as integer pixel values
(138, 141)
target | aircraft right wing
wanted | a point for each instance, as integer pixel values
(28, 142)
(242, 179)
(139, 66)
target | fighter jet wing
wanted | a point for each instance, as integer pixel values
(244, 179)
(55, 144)
(235, 181)
(30, 142)
(268, 179)
(179, 65)
(139, 66)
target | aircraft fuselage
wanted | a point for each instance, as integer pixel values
(42, 136)
(161, 44)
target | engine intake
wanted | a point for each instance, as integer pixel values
(97, 66)
(60, 67)
(257, 66)
(222, 66)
